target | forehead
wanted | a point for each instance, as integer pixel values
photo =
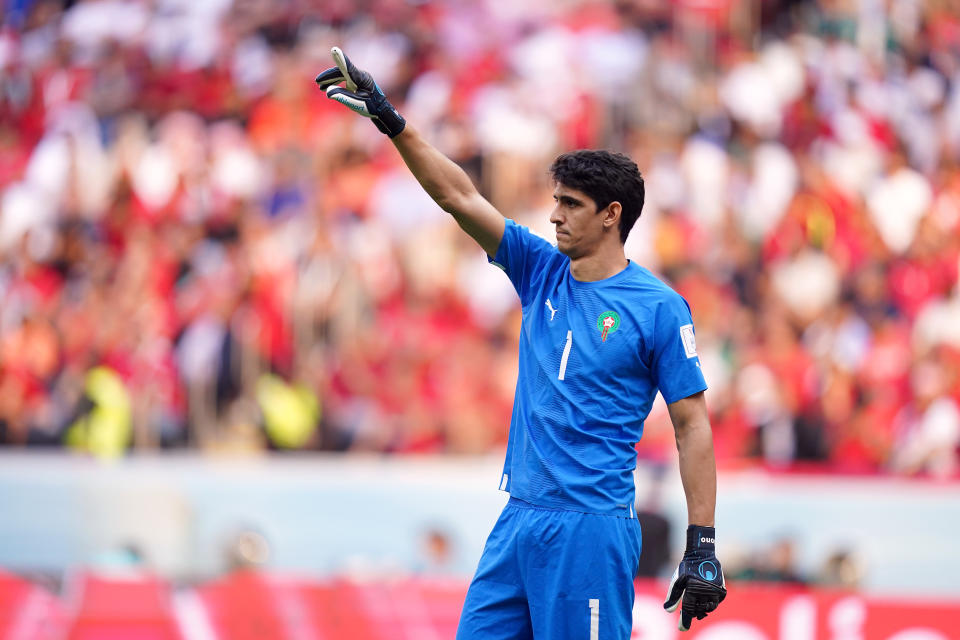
(560, 190)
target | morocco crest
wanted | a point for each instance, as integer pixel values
(608, 322)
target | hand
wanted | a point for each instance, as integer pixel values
(698, 581)
(361, 94)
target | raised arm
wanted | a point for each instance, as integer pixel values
(442, 179)
(451, 188)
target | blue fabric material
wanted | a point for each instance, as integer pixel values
(541, 567)
(571, 443)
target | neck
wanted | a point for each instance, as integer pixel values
(598, 266)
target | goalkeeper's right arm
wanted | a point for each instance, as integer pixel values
(451, 188)
(440, 177)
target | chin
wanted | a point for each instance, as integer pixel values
(566, 249)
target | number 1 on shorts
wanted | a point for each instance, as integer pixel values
(594, 618)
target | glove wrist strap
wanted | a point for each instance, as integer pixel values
(389, 120)
(700, 538)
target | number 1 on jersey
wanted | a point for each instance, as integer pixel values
(594, 618)
(566, 355)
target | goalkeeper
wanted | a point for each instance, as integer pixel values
(600, 337)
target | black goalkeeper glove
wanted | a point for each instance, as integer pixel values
(361, 94)
(698, 581)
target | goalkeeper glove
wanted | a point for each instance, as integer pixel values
(698, 581)
(361, 94)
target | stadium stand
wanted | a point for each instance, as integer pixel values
(193, 236)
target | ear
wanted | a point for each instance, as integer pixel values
(611, 215)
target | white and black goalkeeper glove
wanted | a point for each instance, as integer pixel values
(698, 582)
(361, 93)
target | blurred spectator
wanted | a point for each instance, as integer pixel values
(841, 570)
(246, 549)
(240, 265)
(774, 564)
(928, 428)
(437, 552)
(123, 560)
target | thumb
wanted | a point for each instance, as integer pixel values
(349, 99)
(675, 591)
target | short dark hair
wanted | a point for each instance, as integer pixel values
(606, 177)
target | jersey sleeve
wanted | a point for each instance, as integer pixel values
(523, 256)
(676, 364)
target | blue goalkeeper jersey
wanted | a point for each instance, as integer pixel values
(592, 357)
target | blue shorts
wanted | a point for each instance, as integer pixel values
(552, 574)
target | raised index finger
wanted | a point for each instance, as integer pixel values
(329, 77)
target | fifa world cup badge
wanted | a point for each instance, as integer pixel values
(607, 323)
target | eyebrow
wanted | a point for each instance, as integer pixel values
(567, 199)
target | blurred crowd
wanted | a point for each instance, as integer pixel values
(198, 249)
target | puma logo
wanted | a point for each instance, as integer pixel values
(553, 311)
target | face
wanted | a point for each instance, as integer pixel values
(580, 227)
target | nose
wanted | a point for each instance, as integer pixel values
(555, 217)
